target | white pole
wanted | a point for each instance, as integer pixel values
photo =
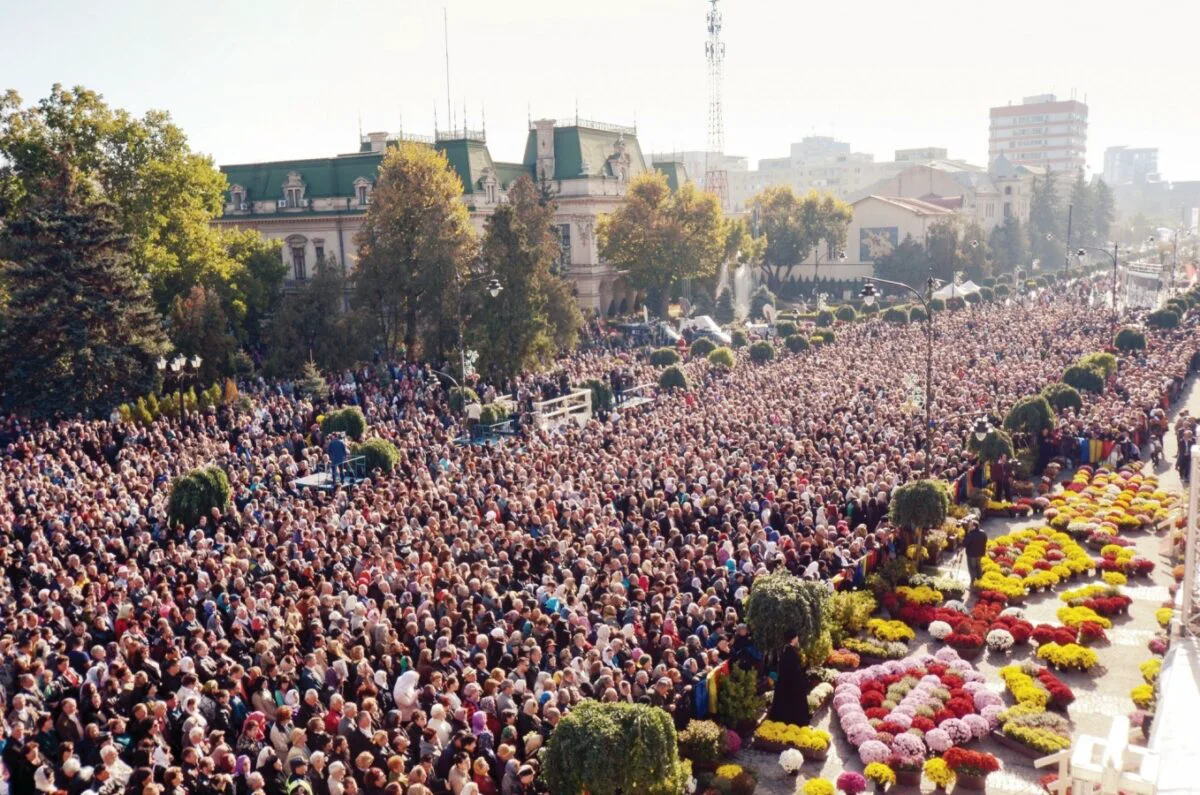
(1189, 566)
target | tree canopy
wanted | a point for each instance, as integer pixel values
(659, 237)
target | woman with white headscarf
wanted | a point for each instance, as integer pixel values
(405, 694)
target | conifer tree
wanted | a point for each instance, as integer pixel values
(82, 334)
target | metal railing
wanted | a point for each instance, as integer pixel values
(401, 136)
(591, 125)
(575, 407)
(461, 134)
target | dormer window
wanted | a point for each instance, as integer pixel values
(293, 191)
(237, 196)
(362, 191)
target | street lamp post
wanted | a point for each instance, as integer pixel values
(494, 289)
(868, 294)
(179, 368)
(1114, 256)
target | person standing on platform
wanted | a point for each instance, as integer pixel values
(337, 456)
(976, 547)
(790, 704)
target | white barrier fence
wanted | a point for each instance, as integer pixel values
(573, 407)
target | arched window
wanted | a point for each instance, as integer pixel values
(297, 245)
(362, 191)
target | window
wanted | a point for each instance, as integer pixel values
(1007, 210)
(237, 195)
(564, 245)
(298, 268)
(362, 194)
(293, 197)
(319, 251)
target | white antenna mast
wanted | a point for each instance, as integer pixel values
(446, 35)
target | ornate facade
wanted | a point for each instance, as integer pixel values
(316, 207)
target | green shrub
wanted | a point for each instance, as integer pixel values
(937, 305)
(1062, 396)
(1085, 379)
(850, 611)
(703, 741)
(846, 313)
(896, 314)
(987, 294)
(1130, 339)
(672, 378)
(816, 340)
(460, 397)
(797, 343)
(602, 396)
(824, 318)
(492, 414)
(605, 748)
(994, 445)
(762, 351)
(664, 357)
(826, 335)
(920, 505)
(738, 339)
(1177, 305)
(1163, 318)
(974, 298)
(1030, 415)
(380, 454)
(721, 357)
(760, 298)
(1103, 363)
(723, 308)
(785, 328)
(739, 701)
(196, 493)
(1003, 291)
(781, 605)
(702, 347)
(869, 309)
(954, 303)
(349, 421)
(916, 314)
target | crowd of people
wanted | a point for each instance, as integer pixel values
(424, 632)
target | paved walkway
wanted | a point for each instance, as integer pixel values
(1099, 696)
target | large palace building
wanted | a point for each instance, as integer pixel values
(315, 207)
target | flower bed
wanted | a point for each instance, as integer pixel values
(1100, 500)
(908, 708)
(775, 736)
(1071, 656)
(1035, 559)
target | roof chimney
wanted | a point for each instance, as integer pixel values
(378, 141)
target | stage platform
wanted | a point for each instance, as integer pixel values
(323, 481)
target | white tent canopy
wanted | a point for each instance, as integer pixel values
(957, 290)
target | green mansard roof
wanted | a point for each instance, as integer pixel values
(581, 151)
(323, 177)
(675, 173)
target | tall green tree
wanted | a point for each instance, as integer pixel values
(414, 248)
(825, 219)
(907, 263)
(313, 324)
(659, 237)
(1047, 223)
(1007, 243)
(782, 229)
(255, 289)
(535, 317)
(974, 253)
(1105, 212)
(1083, 214)
(200, 327)
(82, 334)
(943, 244)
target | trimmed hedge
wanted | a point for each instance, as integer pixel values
(1163, 318)
(722, 357)
(917, 314)
(672, 378)
(762, 351)
(797, 343)
(664, 357)
(702, 347)
(349, 421)
(602, 396)
(1130, 339)
(824, 318)
(460, 397)
(846, 313)
(380, 454)
(785, 328)
(738, 339)
(896, 314)
(1085, 379)
(937, 305)
(987, 294)
(974, 298)
(195, 494)
(1062, 396)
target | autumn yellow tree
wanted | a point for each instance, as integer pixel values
(658, 237)
(414, 247)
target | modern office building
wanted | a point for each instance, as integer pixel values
(1041, 131)
(1129, 165)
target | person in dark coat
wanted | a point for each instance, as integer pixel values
(337, 457)
(975, 544)
(790, 704)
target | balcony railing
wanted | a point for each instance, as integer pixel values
(591, 125)
(461, 134)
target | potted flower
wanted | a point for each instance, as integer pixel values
(880, 775)
(999, 640)
(967, 644)
(907, 769)
(791, 761)
(851, 783)
(937, 771)
(971, 768)
(817, 786)
(813, 743)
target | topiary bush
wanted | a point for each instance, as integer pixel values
(1129, 340)
(1003, 291)
(664, 357)
(760, 298)
(762, 351)
(609, 748)
(994, 445)
(987, 294)
(1062, 396)
(703, 742)
(196, 493)
(826, 335)
(602, 396)
(869, 309)
(460, 397)
(1030, 415)
(1103, 363)
(739, 701)
(797, 343)
(954, 303)
(738, 339)
(896, 314)
(824, 318)
(1163, 318)
(492, 414)
(1085, 379)
(937, 305)
(721, 357)
(973, 298)
(702, 347)
(785, 328)
(846, 313)
(349, 421)
(780, 605)
(672, 378)
(380, 454)
(917, 314)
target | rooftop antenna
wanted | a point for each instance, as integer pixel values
(446, 36)
(576, 111)
(465, 124)
(715, 177)
(483, 117)
(360, 125)
(435, 126)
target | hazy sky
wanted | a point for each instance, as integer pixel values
(268, 79)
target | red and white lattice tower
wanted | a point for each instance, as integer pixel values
(715, 179)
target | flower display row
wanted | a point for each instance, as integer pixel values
(905, 710)
(1071, 656)
(1105, 600)
(1103, 500)
(843, 660)
(775, 736)
(1035, 559)
(1028, 723)
(892, 631)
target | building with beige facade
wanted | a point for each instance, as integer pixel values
(1041, 131)
(315, 207)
